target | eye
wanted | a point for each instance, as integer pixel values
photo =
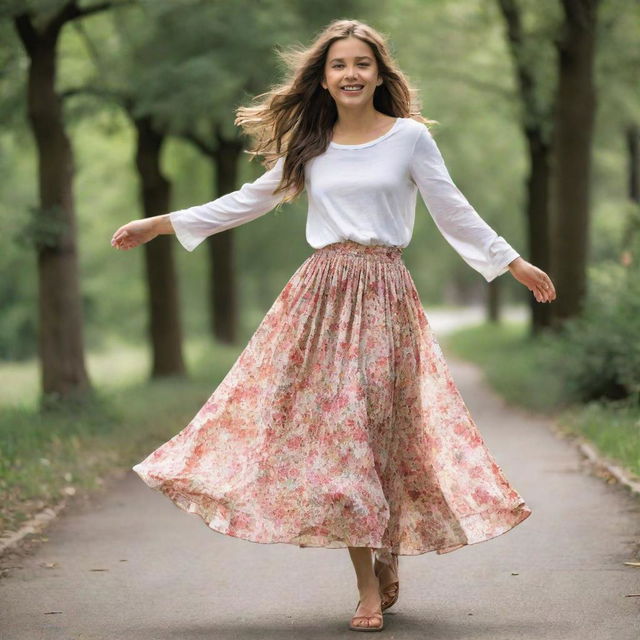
(339, 64)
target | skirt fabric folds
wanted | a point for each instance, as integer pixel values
(340, 425)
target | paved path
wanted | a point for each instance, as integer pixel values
(162, 574)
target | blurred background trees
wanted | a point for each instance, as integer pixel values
(117, 110)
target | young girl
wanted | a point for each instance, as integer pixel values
(340, 425)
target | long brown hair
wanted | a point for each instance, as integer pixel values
(295, 118)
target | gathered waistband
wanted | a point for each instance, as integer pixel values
(349, 247)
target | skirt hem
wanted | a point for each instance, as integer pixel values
(221, 525)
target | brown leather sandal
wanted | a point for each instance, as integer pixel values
(368, 627)
(390, 592)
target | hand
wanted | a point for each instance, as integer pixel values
(536, 280)
(134, 233)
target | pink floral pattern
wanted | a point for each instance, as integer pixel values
(340, 424)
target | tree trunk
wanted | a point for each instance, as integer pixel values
(164, 306)
(573, 131)
(538, 218)
(222, 282)
(534, 117)
(632, 225)
(60, 313)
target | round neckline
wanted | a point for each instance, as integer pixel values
(337, 145)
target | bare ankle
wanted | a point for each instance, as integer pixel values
(368, 583)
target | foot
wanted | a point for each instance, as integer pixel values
(368, 612)
(389, 581)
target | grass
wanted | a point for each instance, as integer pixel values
(117, 366)
(521, 369)
(613, 427)
(516, 365)
(47, 456)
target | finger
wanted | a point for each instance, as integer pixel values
(548, 285)
(550, 290)
(543, 286)
(540, 294)
(123, 238)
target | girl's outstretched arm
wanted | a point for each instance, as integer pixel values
(194, 224)
(476, 242)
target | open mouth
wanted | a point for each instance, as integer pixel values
(352, 88)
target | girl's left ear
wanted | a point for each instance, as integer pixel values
(379, 82)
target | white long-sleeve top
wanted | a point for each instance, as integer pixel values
(366, 193)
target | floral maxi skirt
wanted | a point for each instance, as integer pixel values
(340, 425)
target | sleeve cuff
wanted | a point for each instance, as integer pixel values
(502, 266)
(186, 238)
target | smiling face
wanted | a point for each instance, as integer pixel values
(351, 72)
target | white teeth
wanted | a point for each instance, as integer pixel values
(352, 87)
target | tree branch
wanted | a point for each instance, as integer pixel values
(516, 39)
(200, 143)
(71, 11)
(117, 96)
(26, 31)
(94, 54)
(102, 6)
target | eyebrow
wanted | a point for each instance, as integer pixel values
(357, 58)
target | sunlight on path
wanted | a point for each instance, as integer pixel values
(445, 320)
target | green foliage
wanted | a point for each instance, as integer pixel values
(517, 365)
(18, 286)
(595, 356)
(18, 301)
(45, 228)
(598, 353)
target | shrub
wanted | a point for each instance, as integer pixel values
(598, 353)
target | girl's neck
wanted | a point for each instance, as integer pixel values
(358, 122)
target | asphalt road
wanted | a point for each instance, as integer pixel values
(129, 564)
